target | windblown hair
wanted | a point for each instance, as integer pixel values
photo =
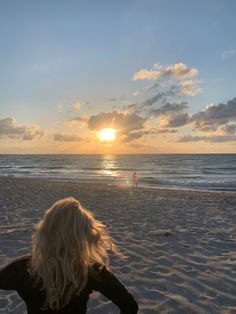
(66, 241)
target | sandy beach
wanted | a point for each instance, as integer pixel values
(181, 245)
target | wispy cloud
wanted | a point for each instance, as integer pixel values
(77, 105)
(189, 87)
(136, 93)
(171, 85)
(170, 108)
(63, 137)
(61, 108)
(165, 131)
(176, 71)
(228, 53)
(78, 120)
(209, 139)
(179, 71)
(116, 99)
(160, 96)
(147, 75)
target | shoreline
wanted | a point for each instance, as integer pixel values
(92, 183)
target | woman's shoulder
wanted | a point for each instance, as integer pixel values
(24, 257)
(19, 260)
(14, 271)
(23, 260)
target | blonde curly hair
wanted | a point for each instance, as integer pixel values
(65, 242)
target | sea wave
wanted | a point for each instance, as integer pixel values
(214, 172)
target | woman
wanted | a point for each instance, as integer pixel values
(69, 260)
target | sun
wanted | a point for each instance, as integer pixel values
(107, 134)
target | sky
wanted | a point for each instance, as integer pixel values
(161, 73)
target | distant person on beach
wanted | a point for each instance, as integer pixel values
(134, 179)
(69, 260)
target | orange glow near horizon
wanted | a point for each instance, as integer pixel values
(108, 134)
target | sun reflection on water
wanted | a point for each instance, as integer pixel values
(108, 172)
(110, 168)
(109, 164)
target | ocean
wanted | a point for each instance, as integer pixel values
(185, 171)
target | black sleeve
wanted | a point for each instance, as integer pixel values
(107, 284)
(9, 276)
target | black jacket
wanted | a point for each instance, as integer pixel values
(15, 276)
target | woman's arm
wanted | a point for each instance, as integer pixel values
(113, 289)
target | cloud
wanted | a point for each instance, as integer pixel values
(77, 105)
(175, 120)
(146, 132)
(179, 71)
(174, 71)
(117, 99)
(131, 136)
(62, 137)
(146, 75)
(61, 109)
(156, 85)
(215, 115)
(165, 131)
(209, 139)
(77, 120)
(170, 90)
(32, 132)
(130, 107)
(161, 97)
(172, 115)
(158, 97)
(142, 146)
(228, 129)
(136, 93)
(170, 85)
(9, 127)
(113, 99)
(228, 53)
(169, 108)
(216, 119)
(130, 126)
(117, 120)
(189, 87)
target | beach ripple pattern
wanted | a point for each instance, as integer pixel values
(181, 245)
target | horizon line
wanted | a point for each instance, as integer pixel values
(61, 154)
